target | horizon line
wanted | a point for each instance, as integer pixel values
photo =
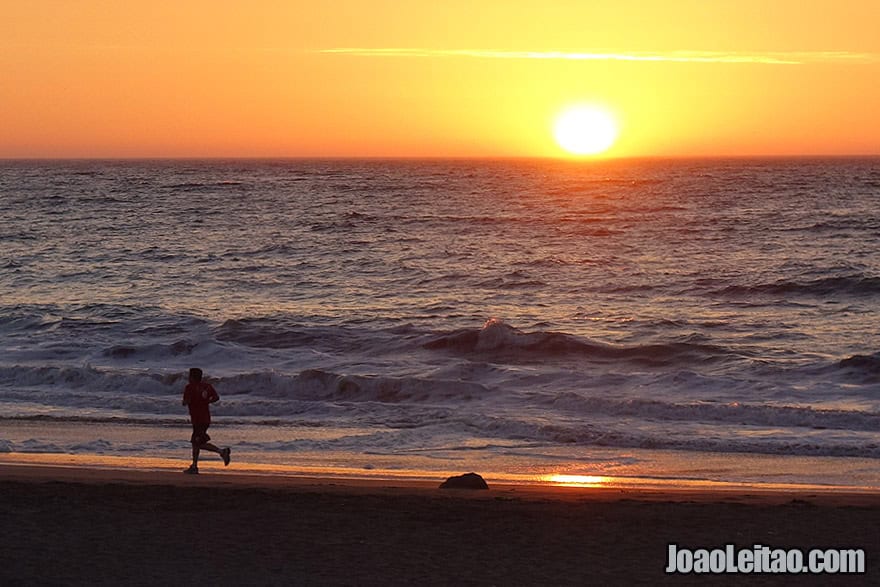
(727, 57)
(435, 157)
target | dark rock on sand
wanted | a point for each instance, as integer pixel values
(466, 481)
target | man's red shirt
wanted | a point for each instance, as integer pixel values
(197, 397)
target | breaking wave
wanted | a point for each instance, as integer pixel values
(501, 341)
(144, 391)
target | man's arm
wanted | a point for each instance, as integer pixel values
(185, 397)
(212, 394)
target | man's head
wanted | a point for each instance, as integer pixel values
(195, 375)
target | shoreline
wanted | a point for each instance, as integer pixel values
(153, 447)
(93, 470)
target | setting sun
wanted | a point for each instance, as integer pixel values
(585, 130)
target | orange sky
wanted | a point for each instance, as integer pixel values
(426, 78)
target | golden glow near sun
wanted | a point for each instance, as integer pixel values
(585, 130)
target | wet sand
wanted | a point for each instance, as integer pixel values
(77, 526)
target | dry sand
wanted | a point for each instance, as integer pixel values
(71, 526)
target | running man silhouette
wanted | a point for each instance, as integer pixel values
(197, 396)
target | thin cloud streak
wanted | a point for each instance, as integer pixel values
(769, 58)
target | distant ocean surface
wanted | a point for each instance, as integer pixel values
(522, 316)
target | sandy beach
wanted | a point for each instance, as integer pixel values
(73, 525)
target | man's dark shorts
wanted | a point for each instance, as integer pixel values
(200, 434)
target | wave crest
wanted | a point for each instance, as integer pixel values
(861, 368)
(500, 341)
(319, 385)
(849, 285)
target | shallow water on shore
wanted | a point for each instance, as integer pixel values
(148, 447)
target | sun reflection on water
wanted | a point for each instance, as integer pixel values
(577, 480)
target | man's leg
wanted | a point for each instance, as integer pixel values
(223, 452)
(199, 439)
(210, 447)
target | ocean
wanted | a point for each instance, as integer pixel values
(646, 320)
